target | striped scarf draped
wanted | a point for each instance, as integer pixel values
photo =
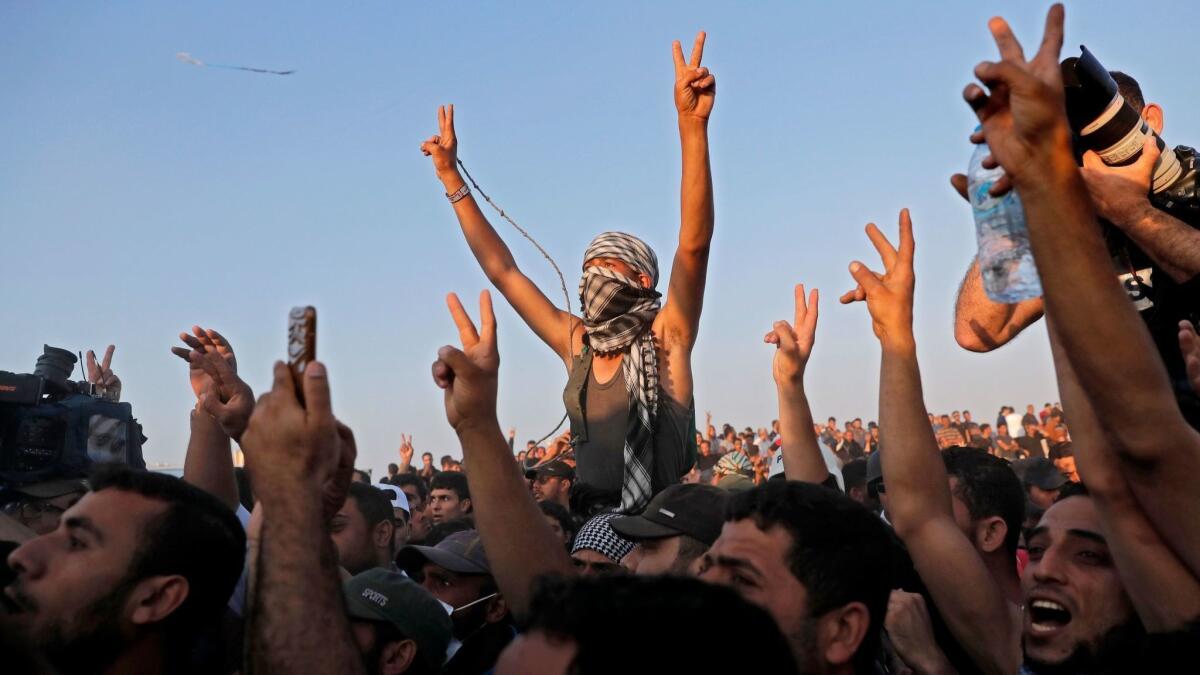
(617, 314)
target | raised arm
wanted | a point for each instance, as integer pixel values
(519, 543)
(554, 326)
(981, 325)
(1164, 592)
(695, 92)
(1025, 124)
(299, 458)
(224, 403)
(802, 459)
(406, 454)
(919, 501)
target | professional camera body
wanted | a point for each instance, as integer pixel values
(52, 427)
(1103, 122)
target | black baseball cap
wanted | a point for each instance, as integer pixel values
(461, 552)
(692, 509)
(380, 594)
(554, 468)
(1043, 474)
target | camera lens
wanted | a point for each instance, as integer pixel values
(55, 365)
(1104, 123)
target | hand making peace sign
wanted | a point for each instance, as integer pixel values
(794, 341)
(443, 147)
(468, 375)
(889, 296)
(1023, 113)
(102, 375)
(695, 87)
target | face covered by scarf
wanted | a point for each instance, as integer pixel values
(617, 313)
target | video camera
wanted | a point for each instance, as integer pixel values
(1104, 122)
(52, 427)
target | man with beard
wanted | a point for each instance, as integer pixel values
(133, 573)
(1092, 560)
(817, 561)
(1075, 602)
(363, 530)
(552, 482)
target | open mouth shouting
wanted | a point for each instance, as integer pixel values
(1045, 617)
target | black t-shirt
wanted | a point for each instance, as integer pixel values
(1032, 445)
(1161, 301)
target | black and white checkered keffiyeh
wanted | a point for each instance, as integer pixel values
(617, 314)
(597, 535)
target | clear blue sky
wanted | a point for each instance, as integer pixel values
(140, 195)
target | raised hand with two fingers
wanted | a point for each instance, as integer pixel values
(1023, 111)
(443, 147)
(794, 341)
(695, 86)
(889, 296)
(101, 374)
(469, 375)
(406, 450)
(212, 369)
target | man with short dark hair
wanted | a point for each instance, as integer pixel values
(1033, 443)
(1030, 417)
(393, 470)
(675, 529)
(1006, 445)
(363, 529)
(983, 439)
(830, 435)
(604, 625)
(1063, 457)
(1075, 603)
(854, 481)
(818, 562)
(970, 428)
(427, 471)
(398, 626)
(860, 434)
(948, 436)
(457, 572)
(847, 448)
(417, 492)
(989, 507)
(135, 569)
(400, 515)
(449, 497)
(552, 482)
(705, 458)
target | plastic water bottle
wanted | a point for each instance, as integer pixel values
(1005, 259)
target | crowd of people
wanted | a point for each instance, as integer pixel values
(916, 543)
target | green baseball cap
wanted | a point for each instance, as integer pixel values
(380, 594)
